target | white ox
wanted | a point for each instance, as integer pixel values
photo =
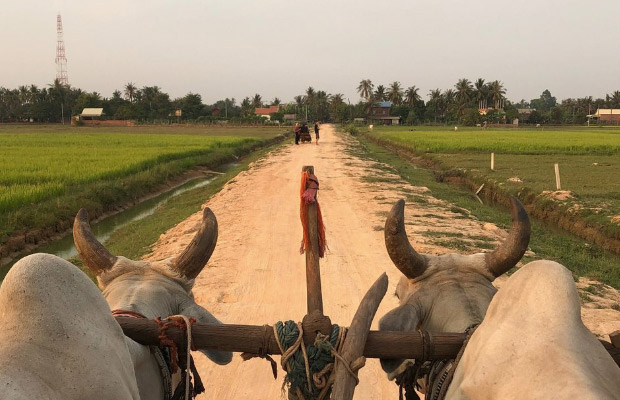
(59, 339)
(531, 342)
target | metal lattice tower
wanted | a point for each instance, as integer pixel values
(61, 60)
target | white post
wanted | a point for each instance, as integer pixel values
(492, 161)
(557, 177)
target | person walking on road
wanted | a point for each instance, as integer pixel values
(297, 129)
(316, 131)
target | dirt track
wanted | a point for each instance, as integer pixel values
(256, 275)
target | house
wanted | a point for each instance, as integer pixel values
(380, 109)
(606, 116)
(266, 112)
(525, 111)
(486, 110)
(93, 117)
(91, 113)
(380, 114)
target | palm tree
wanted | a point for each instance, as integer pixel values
(365, 89)
(148, 93)
(481, 93)
(246, 107)
(130, 91)
(587, 102)
(299, 101)
(412, 96)
(435, 100)
(33, 94)
(310, 93)
(380, 94)
(257, 101)
(395, 93)
(464, 89)
(24, 94)
(614, 99)
(59, 93)
(276, 101)
(497, 92)
(336, 100)
(448, 99)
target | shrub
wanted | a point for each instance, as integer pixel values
(352, 129)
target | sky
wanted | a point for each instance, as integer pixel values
(277, 48)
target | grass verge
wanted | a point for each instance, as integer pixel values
(547, 242)
(135, 239)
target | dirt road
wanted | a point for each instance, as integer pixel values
(257, 276)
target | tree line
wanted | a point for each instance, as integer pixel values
(464, 102)
(460, 104)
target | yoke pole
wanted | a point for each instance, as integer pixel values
(313, 268)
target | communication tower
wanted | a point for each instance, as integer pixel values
(61, 60)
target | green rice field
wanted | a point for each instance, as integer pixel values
(41, 168)
(598, 141)
(524, 159)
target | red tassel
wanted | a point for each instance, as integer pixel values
(308, 194)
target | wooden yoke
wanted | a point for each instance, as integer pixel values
(314, 321)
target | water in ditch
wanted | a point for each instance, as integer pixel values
(104, 228)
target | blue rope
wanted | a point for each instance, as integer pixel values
(318, 358)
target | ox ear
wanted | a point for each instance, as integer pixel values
(403, 319)
(203, 316)
(197, 253)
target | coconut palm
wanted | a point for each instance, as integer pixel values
(587, 104)
(412, 96)
(33, 94)
(497, 92)
(257, 101)
(481, 93)
(130, 91)
(337, 99)
(380, 94)
(310, 94)
(448, 100)
(300, 100)
(614, 99)
(464, 90)
(395, 93)
(246, 107)
(436, 101)
(365, 89)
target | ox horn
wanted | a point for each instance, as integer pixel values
(96, 257)
(508, 254)
(197, 253)
(403, 255)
